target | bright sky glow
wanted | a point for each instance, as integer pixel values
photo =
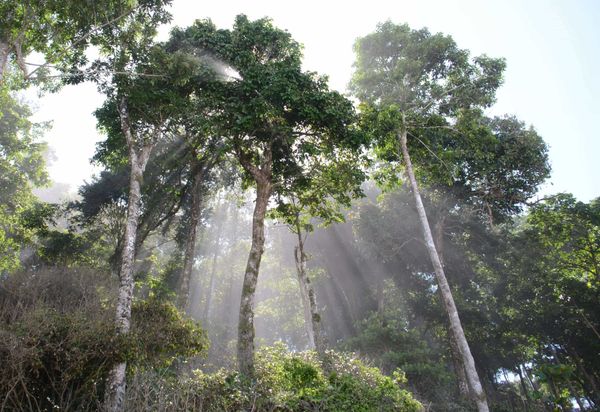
(551, 48)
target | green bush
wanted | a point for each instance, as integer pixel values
(285, 381)
(390, 344)
(57, 340)
(57, 345)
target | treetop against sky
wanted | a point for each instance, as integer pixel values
(549, 82)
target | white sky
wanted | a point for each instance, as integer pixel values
(551, 82)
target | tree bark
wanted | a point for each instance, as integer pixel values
(448, 300)
(138, 158)
(439, 238)
(4, 53)
(312, 318)
(264, 187)
(459, 370)
(190, 241)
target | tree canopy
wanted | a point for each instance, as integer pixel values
(244, 202)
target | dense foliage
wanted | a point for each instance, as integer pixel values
(58, 340)
(224, 159)
(284, 382)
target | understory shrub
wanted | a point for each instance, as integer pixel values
(390, 344)
(57, 345)
(57, 340)
(284, 381)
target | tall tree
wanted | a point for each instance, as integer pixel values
(410, 76)
(270, 115)
(206, 151)
(22, 167)
(141, 101)
(553, 279)
(335, 179)
(177, 179)
(138, 158)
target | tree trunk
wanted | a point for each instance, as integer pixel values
(509, 392)
(448, 300)
(439, 238)
(4, 52)
(592, 389)
(213, 270)
(380, 296)
(561, 359)
(575, 395)
(312, 318)
(230, 309)
(190, 241)
(532, 382)
(245, 346)
(138, 157)
(524, 388)
(459, 370)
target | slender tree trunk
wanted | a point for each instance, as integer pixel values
(448, 300)
(194, 296)
(575, 394)
(4, 52)
(213, 269)
(138, 157)
(531, 381)
(535, 386)
(190, 241)
(315, 316)
(245, 346)
(524, 388)
(380, 296)
(459, 370)
(312, 318)
(229, 315)
(439, 238)
(509, 393)
(347, 310)
(558, 361)
(304, 296)
(592, 390)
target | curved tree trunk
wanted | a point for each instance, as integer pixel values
(138, 157)
(455, 324)
(264, 187)
(190, 240)
(312, 318)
